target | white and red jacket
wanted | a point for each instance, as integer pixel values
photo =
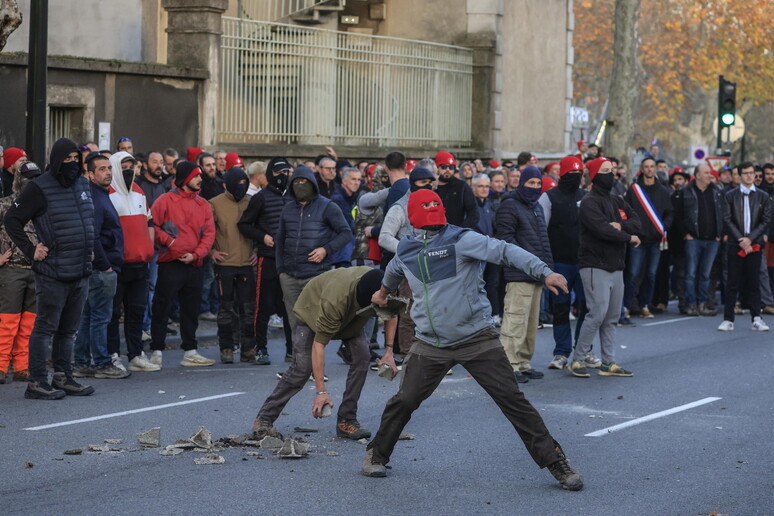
(133, 212)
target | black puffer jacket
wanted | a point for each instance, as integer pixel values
(304, 228)
(523, 225)
(262, 218)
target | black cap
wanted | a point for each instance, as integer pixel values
(93, 154)
(29, 170)
(278, 165)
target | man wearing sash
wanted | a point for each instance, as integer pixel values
(651, 201)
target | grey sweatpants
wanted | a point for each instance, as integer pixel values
(604, 295)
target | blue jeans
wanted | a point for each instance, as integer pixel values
(699, 257)
(210, 297)
(91, 342)
(637, 258)
(562, 304)
(153, 274)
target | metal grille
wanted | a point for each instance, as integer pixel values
(59, 123)
(289, 84)
(273, 10)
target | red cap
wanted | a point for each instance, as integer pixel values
(548, 183)
(410, 164)
(570, 164)
(494, 164)
(579, 143)
(12, 155)
(232, 160)
(192, 153)
(552, 164)
(420, 217)
(594, 165)
(444, 158)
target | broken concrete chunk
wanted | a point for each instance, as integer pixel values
(331, 453)
(202, 438)
(99, 448)
(151, 438)
(270, 442)
(363, 441)
(210, 458)
(406, 436)
(114, 441)
(293, 449)
(306, 429)
(183, 445)
(201, 450)
(253, 454)
(171, 451)
(76, 451)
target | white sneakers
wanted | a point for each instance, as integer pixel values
(141, 363)
(759, 325)
(156, 358)
(726, 326)
(196, 360)
(559, 362)
(117, 363)
(275, 321)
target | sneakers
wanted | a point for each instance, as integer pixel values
(141, 363)
(70, 386)
(83, 372)
(111, 372)
(564, 473)
(345, 354)
(263, 428)
(208, 316)
(156, 358)
(196, 360)
(21, 376)
(531, 373)
(625, 322)
(559, 362)
(371, 468)
(247, 356)
(613, 369)
(578, 369)
(275, 321)
(351, 429)
(117, 362)
(43, 391)
(262, 357)
(726, 326)
(645, 313)
(759, 325)
(311, 377)
(226, 356)
(692, 311)
(520, 378)
(707, 311)
(146, 336)
(497, 321)
(592, 361)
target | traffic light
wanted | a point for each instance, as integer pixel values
(726, 103)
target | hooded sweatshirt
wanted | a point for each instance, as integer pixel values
(133, 211)
(183, 223)
(226, 213)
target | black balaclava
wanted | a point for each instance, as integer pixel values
(369, 283)
(603, 182)
(570, 182)
(278, 181)
(232, 179)
(303, 192)
(417, 174)
(66, 173)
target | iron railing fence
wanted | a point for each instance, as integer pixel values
(291, 84)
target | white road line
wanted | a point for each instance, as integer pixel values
(651, 417)
(135, 411)
(670, 321)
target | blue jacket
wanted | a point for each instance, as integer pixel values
(486, 217)
(523, 225)
(347, 203)
(108, 235)
(304, 228)
(444, 272)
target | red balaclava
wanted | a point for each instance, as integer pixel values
(420, 217)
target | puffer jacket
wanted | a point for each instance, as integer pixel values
(525, 226)
(262, 218)
(303, 228)
(184, 224)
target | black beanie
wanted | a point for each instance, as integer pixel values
(369, 283)
(183, 172)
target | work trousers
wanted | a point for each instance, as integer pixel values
(485, 360)
(236, 286)
(176, 280)
(520, 321)
(17, 316)
(297, 375)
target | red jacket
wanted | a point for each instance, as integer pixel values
(184, 224)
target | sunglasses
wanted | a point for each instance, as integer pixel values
(446, 167)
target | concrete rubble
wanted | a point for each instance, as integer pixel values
(406, 436)
(168, 451)
(271, 443)
(210, 458)
(202, 438)
(293, 449)
(151, 438)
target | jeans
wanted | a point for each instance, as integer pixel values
(699, 257)
(562, 304)
(637, 258)
(153, 274)
(237, 306)
(184, 282)
(132, 293)
(210, 296)
(59, 306)
(91, 343)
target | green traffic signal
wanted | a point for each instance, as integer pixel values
(728, 119)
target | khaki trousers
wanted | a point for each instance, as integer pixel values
(520, 321)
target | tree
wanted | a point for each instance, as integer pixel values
(10, 19)
(623, 89)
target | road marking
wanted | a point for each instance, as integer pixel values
(135, 411)
(670, 321)
(651, 417)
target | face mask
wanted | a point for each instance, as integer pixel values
(70, 172)
(530, 195)
(239, 191)
(128, 178)
(280, 181)
(569, 182)
(303, 192)
(603, 181)
(414, 187)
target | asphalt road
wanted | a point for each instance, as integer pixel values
(466, 459)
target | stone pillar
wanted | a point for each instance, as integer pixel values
(193, 41)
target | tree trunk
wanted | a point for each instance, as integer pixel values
(10, 19)
(624, 90)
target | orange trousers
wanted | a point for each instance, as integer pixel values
(17, 316)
